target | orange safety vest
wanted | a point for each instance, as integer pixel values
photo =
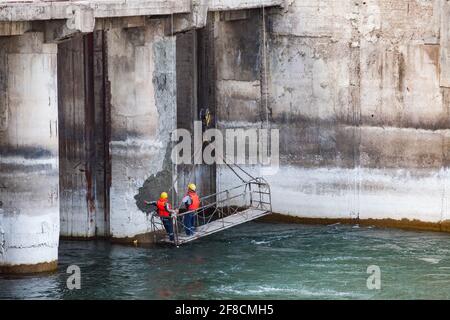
(195, 201)
(161, 205)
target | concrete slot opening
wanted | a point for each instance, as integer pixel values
(84, 126)
(195, 98)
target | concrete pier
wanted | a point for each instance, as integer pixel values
(29, 203)
(141, 73)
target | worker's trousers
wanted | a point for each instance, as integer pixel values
(189, 223)
(168, 225)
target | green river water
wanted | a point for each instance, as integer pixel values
(253, 261)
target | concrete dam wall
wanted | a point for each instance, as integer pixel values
(90, 93)
(359, 93)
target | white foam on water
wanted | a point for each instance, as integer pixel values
(334, 224)
(276, 249)
(431, 260)
(294, 292)
(343, 258)
(260, 242)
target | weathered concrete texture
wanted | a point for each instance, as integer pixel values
(102, 133)
(357, 91)
(341, 193)
(221, 5)
(29, 202)
(141, 72)
(24, 10)
(238, 61)
(75, 219)
(64, 19)
(14, 28)
(194, 10)
(156, 184)
(444, 43)
(196, 18)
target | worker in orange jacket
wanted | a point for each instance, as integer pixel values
(165, 212)
(191, 202)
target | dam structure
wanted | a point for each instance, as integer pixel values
(91, 91)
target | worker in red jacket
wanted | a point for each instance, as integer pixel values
(165, 212)
(191, 202)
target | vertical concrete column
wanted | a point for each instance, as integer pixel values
(29, 202)
(143, 114)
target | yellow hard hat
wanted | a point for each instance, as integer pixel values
(192, 186)
(164, 195)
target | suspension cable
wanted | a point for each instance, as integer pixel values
(176, 179)
(234, 171)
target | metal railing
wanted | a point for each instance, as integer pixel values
(253, 194)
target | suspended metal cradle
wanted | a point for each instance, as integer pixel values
(222, 210)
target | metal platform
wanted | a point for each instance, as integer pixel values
(220, 224)
(220, 211)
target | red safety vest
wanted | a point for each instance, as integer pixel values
(195, 201)
(161, 205)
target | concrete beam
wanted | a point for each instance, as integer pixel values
(197, 17)
(81, 20)
(129, 8)
(14, 28)
(26, 11)
(121, 23)
(194, 20)
(223, 5)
